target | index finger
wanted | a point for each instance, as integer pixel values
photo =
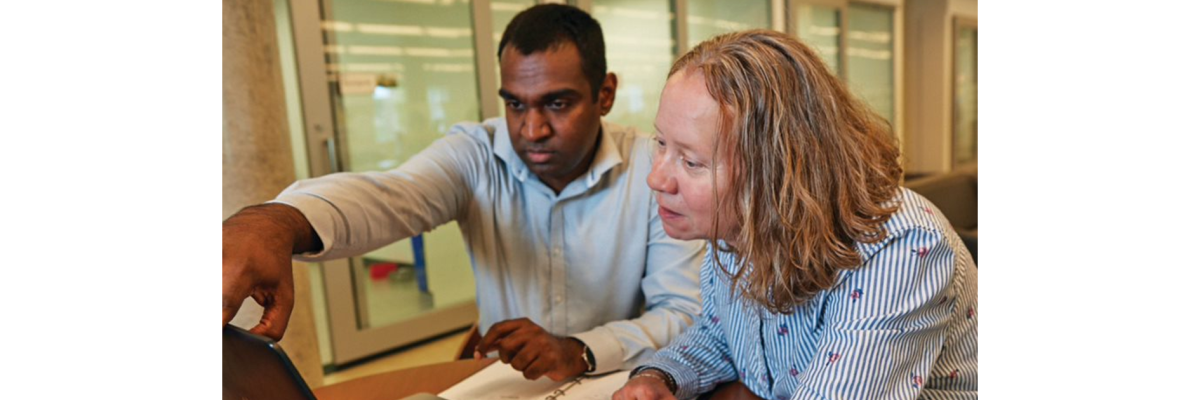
(497, 332)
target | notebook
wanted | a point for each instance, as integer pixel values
(500, 381)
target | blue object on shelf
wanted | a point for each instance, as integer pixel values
(418, 248)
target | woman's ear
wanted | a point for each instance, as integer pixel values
(608, 93)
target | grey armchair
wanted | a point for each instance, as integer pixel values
(956, 194)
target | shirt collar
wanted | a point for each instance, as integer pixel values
(607, 155)
(502, 147)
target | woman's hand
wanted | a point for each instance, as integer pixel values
(646, 385)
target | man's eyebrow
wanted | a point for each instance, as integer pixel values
(560, 94)
(506, 95)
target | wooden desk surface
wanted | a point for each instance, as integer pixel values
(435, 378)
(398, 384)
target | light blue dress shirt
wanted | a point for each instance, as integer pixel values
(592, 262)
(901, 326)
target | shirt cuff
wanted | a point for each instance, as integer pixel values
(685, 377)
(320, 214)
(610, 356)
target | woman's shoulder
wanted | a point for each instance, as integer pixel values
(916, 217)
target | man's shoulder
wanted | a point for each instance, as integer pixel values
(629, 140)
(480, 133)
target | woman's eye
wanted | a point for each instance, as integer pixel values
(691, 165)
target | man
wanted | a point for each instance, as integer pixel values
(564, 234)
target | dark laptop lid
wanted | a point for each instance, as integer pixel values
(255, 368)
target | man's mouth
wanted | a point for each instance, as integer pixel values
(539, 156)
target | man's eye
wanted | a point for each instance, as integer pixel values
(558, 104)
(513, 105)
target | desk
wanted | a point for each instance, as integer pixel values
(438, 377)
(398, 384)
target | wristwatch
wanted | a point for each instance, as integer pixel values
(588, 358)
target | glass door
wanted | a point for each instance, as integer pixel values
(380, 81)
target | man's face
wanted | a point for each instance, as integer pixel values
(552, 117)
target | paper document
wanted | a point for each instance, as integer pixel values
(500, 381)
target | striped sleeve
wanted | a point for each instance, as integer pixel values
(884, 324)
(699, 358)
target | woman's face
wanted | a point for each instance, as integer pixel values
(685, 168)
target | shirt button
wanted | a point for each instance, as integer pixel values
(558, 299)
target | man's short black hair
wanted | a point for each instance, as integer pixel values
(541, 27)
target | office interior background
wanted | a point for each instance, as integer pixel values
(362, 85)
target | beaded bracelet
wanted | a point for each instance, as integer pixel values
(661, 376)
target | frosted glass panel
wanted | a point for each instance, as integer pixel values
(708, 18)
(820, 27)
(402, 74)
(503, 13)
(638, 39)
(869, 58)
(966, 103)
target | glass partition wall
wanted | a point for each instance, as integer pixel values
(858, 41)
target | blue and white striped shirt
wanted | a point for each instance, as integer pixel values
(900, 326)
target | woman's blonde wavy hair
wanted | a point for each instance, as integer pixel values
(812, 169)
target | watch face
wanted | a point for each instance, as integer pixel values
(589, 359)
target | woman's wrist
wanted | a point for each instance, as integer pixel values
(656, 373)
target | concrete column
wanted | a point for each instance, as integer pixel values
(257, 155)
(929, 66)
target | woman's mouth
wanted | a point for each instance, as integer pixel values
(666, 213)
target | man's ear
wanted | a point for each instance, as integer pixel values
(608, 93)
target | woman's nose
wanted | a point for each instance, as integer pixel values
(659, 179)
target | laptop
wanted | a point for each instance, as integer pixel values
(254, 367)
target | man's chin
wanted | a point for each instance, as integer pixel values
(542, 169)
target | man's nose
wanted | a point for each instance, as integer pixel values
(537, 127)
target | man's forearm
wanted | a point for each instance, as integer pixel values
(280, 219)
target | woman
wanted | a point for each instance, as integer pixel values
(824, 278)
